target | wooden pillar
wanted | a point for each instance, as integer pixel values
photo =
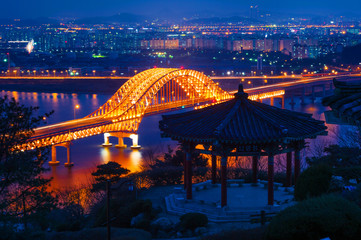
(272, 101)
(289, 170)
(283, 102)
(224, 181)
(297, 164)
(185, 166)
(270, 179)
(214, 168)
(255, 169)
(189, 175)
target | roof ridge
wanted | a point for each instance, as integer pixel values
(271, 121)
(228, 118)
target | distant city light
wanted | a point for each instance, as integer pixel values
(30, 46)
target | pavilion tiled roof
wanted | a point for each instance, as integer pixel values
(241, 121)
(346, 101)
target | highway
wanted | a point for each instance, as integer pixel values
(285, 85)
(64, 127)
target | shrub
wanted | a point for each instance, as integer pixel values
(70, 226)
(100, 213)
(143, 224)
(349, 173)
(316, 218)
(168, 175)
(142, 206)
(354, 195)
(244, 234)
(191, 221)
(123, 214)
(313, 182)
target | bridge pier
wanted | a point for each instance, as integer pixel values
(68, 162)
(292, 103)
(313, 98)
(106, 140)
(53, 161)
(120, 143)
(134, 138)
(303, 96)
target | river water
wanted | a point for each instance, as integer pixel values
(88, 153)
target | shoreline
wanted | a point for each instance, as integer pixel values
(67, 86)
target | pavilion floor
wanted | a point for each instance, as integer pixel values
(243, 201)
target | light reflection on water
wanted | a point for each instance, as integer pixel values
(88, 153)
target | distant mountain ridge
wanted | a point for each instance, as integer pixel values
(219, 20)
(118, 18)
(28, 22)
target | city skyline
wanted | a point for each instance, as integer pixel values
(175, 9)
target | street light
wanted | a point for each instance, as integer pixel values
(75, 108)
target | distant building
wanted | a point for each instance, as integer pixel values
(286, 45)
(259, 64)
(299, 51)
(259, 45)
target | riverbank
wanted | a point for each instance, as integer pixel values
(89, 86)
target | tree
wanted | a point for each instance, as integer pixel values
(169, 170)
(314, 181)
(177, 159)
(108, 173)
(111, 171)
(337, 156)
(23, 191)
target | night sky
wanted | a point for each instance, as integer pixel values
(166, 8)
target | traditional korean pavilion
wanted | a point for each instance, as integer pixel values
(242, 127)
(345, 103)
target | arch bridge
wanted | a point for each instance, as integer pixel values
(153, 91)
(150, 92)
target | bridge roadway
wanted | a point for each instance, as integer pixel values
(294, 84)
(89, 122)
(128, 77)
(64, 127)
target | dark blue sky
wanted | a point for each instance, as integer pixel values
(86, 8)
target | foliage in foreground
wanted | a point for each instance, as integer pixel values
(191, 221)
(111, 171)
(123, 212)
(248, 234)
(316, 218)
(313, 182)
(23, 191)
